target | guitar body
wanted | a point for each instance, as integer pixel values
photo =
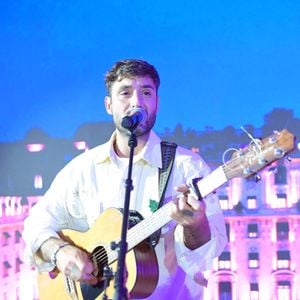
(141, 262)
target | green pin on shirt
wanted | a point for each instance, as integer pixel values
(153, 205)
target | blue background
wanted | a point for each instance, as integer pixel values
(221, 62)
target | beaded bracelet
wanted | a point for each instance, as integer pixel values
(54, 254)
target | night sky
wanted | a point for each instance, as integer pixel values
(221, 62)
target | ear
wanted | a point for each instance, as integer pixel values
(108, 105)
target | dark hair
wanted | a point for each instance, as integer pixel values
(130, 68)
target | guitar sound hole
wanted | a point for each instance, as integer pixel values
(99, 259)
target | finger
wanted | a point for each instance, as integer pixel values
(73, 272)
(182, 203)
(88, 267)
(188, 202)
(194, 203)
(181, 210)
(182, 188)
(89, 279)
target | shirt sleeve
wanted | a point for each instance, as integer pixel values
(52, 214)
(201, 259)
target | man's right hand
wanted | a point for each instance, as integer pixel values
(70, 260)
(76, 264)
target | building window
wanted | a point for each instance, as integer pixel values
(253, 260)
(283, 259)
(252, 230)
(284, 290)
(18, 236)
(3, 209)
(8, 210)
(280, 175)
(251, 202)
(227, 226)
(225, 261)
(281, 201)
(35, 147)
(282, 230)
(19, 262)
(254, 291)
(225, 290)
(6, 267)
(81, 145)
(195, 149)
(224, 202)
(38, 182)
(5, 238)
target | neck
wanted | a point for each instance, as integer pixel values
(121, 144)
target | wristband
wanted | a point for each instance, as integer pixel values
(54, 254)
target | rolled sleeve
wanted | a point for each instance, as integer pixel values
(52, 214)
(37, 229)
(200, 259)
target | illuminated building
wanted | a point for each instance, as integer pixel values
(261, 260)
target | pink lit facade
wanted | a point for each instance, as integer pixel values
(17, 280)
(261, 261)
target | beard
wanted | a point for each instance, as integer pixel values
(143, 128)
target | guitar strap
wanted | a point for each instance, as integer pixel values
(168, 151)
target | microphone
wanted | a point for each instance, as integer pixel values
(133, 121)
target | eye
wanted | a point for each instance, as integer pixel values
(147, 92)
(124, 93)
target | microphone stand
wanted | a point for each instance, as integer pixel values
(120, 287)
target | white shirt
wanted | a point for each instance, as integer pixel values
(95, 181)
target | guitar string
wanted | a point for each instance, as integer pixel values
(103, 254)
(100, 255)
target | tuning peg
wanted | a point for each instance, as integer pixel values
(257, 177)
(262, 161)
(254, 178)
(247, 172)
(288, 158)
(273, 169)
(278, 152)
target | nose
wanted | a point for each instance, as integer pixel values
(136, 99)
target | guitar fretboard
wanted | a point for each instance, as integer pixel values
(161, 217)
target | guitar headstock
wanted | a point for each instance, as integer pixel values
(258, 154)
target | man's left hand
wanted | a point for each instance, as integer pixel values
(190, 213)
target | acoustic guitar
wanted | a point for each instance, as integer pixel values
(141, 261)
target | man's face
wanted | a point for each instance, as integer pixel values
(131, 93)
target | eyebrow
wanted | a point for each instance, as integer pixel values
(143, 86)
(148, 86)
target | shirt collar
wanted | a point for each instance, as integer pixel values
(151, 153)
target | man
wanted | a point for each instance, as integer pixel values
(95, 181)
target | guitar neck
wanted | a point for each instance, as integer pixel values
(146, 227)
(244, 163)
(161, 217)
